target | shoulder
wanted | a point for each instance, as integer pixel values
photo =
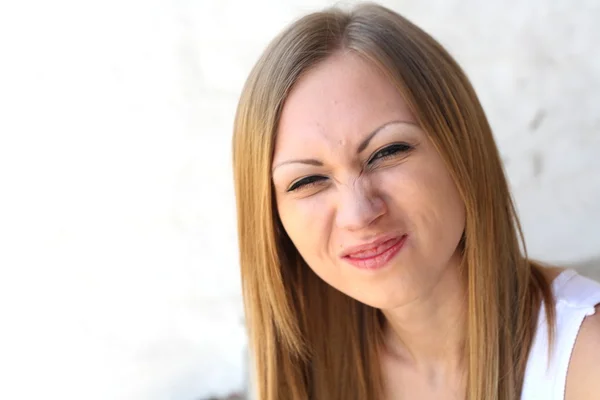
(552, 272)
(584, 367)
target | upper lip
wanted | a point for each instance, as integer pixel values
(348, 251)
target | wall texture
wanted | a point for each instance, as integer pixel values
(117, 225)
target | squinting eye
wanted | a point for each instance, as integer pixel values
(306, 182)
(390, 151)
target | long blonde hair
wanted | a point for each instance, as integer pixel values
(309, 341)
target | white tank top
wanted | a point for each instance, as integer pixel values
(576, 297)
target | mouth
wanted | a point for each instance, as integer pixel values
(375, 255)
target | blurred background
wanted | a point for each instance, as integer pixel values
(118, 259)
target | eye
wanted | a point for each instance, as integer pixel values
(306, 182)
(392, 150)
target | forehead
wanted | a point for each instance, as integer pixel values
(337, 103)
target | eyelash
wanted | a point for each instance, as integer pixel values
(395, 148)
(392, 151)
(306, 182)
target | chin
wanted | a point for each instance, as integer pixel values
(396, 288)
(386, 300)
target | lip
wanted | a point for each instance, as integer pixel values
(375, 254)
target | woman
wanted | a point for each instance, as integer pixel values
(380, 249)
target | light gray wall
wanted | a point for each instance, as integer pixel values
(117, 226)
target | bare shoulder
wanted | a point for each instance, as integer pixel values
(583, 379)
(551, 272)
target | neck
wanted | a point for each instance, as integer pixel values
(430, 331)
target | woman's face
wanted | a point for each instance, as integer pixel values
(360, 189)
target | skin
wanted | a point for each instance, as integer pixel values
(584, 365)
(358, 196)
(583, 381)
(333, 191)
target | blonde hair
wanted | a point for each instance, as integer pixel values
(309, 341)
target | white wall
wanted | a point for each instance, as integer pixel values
(118, 259)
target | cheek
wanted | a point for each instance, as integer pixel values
(448, 203)
(430, 204)
(444, 214)
(307, 223)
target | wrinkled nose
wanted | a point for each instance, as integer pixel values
(359, 205)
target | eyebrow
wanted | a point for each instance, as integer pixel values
(367, 140)
(308, 161)
(363, 145)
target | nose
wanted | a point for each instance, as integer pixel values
(359, 205)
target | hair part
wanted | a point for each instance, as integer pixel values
(310, 341)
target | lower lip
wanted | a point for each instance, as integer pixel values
(380, 260)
